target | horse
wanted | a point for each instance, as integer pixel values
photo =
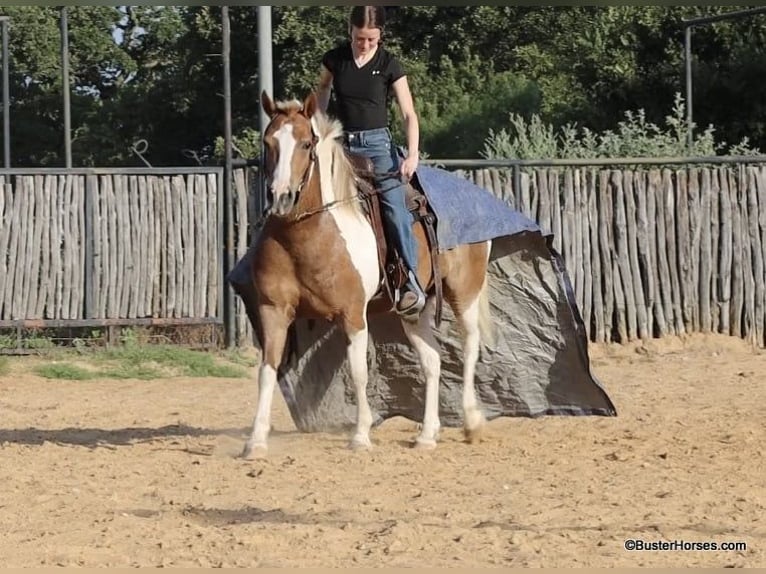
(316, 257)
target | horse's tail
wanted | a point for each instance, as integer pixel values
(486, 327)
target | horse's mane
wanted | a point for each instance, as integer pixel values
(335, 168)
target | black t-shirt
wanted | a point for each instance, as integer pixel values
(361, 94)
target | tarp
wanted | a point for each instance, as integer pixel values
(465, 212)
(538, 364)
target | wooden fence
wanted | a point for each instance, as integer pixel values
(650, 252)
(104, 246)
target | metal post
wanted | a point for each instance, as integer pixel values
(65, 86)
(265, 82)
(688, 63)
(228, 316)
(265, 71)
(6, 96)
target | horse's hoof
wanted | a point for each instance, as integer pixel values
(254, 451)
(474, 426)
(424, 444)
(473, 436)
(360, 444)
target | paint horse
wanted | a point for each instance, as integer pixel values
(317, 257)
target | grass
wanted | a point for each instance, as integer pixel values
(144, 362)
(4, 366)
(64, 371)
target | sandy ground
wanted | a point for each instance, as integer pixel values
(130, 473)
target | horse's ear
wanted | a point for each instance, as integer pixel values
(310, 105)
(268, 104)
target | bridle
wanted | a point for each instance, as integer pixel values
(366, 196)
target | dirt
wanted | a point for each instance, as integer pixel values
(136, 473)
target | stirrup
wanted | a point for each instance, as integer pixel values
(413, 310)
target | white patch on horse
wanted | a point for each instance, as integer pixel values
(354, 227)
(360, 242)
(283, 170)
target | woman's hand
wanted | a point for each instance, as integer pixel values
(408, 167)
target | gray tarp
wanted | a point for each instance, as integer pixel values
(538, 366)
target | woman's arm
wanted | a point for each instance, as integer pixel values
(411, 126)
(323, 88)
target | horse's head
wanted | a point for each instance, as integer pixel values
(289, 151)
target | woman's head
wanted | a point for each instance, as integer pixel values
(366, 24)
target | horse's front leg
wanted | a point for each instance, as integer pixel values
(357, 360)
(422, 338)
(274, 323)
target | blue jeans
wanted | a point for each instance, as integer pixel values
(378, 145)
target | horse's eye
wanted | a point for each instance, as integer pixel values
(307, 145)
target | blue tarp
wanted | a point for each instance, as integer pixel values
(467, 213)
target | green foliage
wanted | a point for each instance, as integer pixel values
(154, 73)
(38, 342)
(131, 370)
(184, 362)
(246, 144)
(144, 362)
(238, 358)
(7, 341)
(63, 371)
(635, 136)
(455, 122)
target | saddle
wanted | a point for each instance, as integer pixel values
(392, 267)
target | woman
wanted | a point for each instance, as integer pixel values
(362, 74)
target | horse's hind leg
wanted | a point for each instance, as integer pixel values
(465, 289)
(473, 419)
(275, 323)
(422, 338)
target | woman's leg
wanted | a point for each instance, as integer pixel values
(397, 218)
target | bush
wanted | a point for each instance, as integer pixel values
(634, 137)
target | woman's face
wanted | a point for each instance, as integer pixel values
(365, 40)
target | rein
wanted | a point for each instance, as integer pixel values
(338, 202)
(332, 205)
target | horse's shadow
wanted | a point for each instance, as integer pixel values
(109, 438)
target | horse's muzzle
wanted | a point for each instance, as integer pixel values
(284, 203)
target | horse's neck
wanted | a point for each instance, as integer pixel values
(311, 199)
(320, 239)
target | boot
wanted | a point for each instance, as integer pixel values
(411, 299)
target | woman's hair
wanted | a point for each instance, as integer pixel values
(368, 17)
